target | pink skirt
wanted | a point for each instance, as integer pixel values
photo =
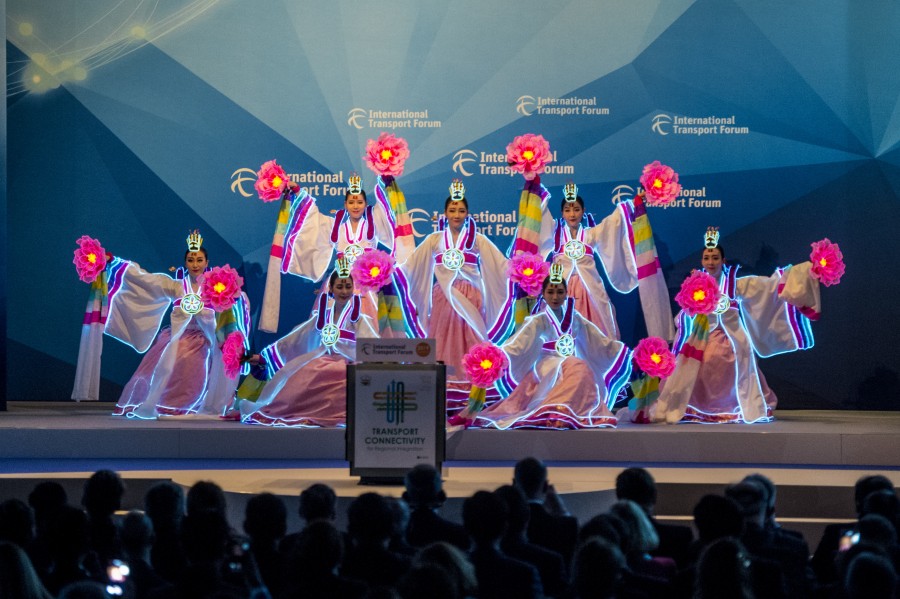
(316, 395)
(585, 306)
(183, 393)
(572, 403)
(714, 398)
(452, 333)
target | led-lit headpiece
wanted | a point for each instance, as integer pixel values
(194, 241)
(354, 184)
(342, 268)
(570, 191)
(457, 191)
(556, 274)
(711, 239)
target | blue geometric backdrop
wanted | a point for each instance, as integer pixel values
(137, 120)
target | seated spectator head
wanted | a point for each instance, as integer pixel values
(164, 504)
(103, 493)
(86, 589)
(16, 523)
(137, 535)
(319, 549)
(769, 488)
(884, 503)
(206, 496)
(454, 561)
(751, 497)
(870, 576)
(517, 505)
(68, 535)
(205, 535)
(608, 527)
(45, 499)
(424, 487)
(530, 475)
(637, 485)
(867, 485)
(877, 530)
(17, 576)
(265, 518)
(598, 569)
(399, 518)
(723, 570)
(318, 502)
(716, 517)
(428, 581)
(369, 519)
(485, 517)
(642, 536)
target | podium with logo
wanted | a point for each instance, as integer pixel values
(396, 396)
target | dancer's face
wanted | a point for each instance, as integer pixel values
(195, 263)
(456, 213)
(712, 261)
(342, 289)
(355, 205)
(572, 213)
(555, 295)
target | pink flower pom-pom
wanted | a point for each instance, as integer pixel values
(827, 262)
(372, 270)
(387, 155)
(232, 352)
(270, 181)
(484, 364)
(652, 355)
(90, 258)
(220, 288)
(529, 271)
(529, 154)
(699, 294)
(660, 184)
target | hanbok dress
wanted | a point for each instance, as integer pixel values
(301, 380)
(182, 372)
(623, 242)
(717, 378)
(567, 374)
(458, 287)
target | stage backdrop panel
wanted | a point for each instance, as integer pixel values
(137, 122)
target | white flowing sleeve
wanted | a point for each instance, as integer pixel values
(548, 226)
(419, 272)
(301, 340)
(384, 230)
(493, 279)
(609, 239)
(524, 348)
(312, 248)
(607, 357)
(137, 310)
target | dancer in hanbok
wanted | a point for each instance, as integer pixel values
(182, 372)
(457, 283)
(623, 242)
(301, 379)
(568, 372)
(717, 378)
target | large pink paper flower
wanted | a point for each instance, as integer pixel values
(699, 294)
(220, 288)
(529, 154)
(387, 154)
(372, 270)
(827, 262)
(270, 181)
(660, 184)
(652, 355)
(529, 271)
(484, 364)
(90, 258)
(232, 352)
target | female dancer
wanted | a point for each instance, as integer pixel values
(618, 240)
(301, 379)
(757, 315)
(182, 373)
(568, 372)
(471, 285)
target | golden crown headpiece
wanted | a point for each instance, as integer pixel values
(342, 268)
(354, 184)
(570, 191)
(457, 190)
(711, 238)
(194, 241)
(556, 273)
